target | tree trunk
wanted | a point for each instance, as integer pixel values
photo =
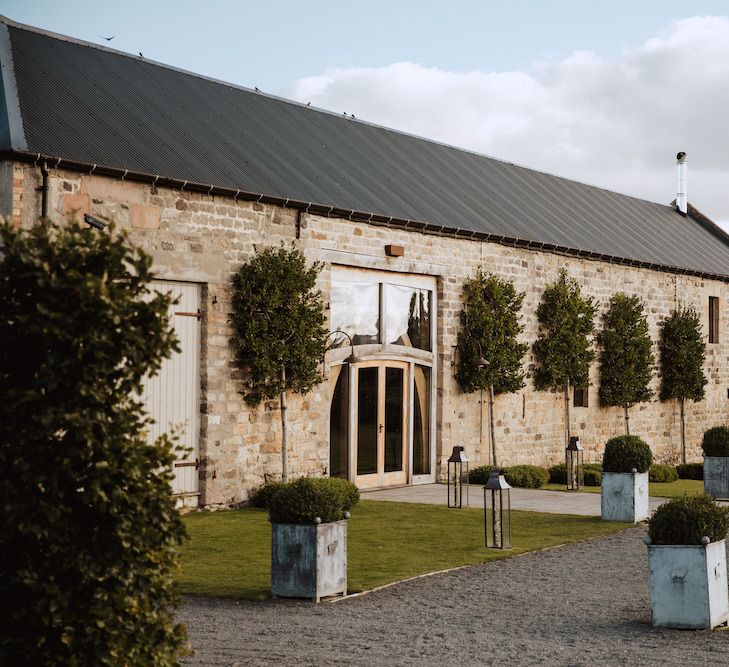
(627, 420)
(491, 424)
(567, 412)
(683, 430)
(284, 438)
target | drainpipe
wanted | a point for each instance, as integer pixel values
(43, 189)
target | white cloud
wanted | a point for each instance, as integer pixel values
(614, 123)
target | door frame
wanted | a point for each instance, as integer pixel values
(381, 477)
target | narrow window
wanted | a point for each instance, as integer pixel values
(713, 319)
(580, 397)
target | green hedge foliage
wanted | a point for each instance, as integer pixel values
(660, 472)
(593, 476)
(89, 534)
(261, 497)
(686, 520)
(716, 441)
(480, 474)
(690, 471)
(626, 452)
(305, 499)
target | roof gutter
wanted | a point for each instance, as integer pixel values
(331, 211)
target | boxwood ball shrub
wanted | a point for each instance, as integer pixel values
(716, 441)
(687, 519)
(626, 452)
(690, 471)
(261, 497)
(592, 474)
(660, 472)
(305, 499)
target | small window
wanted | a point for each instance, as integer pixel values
(713, 319)
(580, 397)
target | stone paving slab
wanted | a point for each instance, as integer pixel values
(532, 500)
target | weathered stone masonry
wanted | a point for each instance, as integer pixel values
(204, 239)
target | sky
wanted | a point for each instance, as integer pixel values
(602, 92)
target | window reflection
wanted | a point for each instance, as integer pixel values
(408, 316)
(355, 308)
(421, 421)
(339, 426)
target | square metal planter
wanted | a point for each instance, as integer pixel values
(624, 496)
(309, 561)
(716, 476)
(688, 585)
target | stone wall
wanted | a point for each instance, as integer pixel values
(204, 239)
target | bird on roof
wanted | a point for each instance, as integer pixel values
(108, 39)
(141, 55)
(256, 89)
(308, 104)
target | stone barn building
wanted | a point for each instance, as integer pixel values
(200, 172)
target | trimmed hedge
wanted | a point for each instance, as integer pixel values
(592, 474)
(690, 471)
(660, 472)
(526, 476)
(305, 499)
(716, 441)
(521, 476)
(626, 452)
(480, 474)
(687, 519)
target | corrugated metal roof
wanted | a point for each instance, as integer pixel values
(92, 105)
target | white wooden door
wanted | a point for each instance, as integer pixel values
(172, 396)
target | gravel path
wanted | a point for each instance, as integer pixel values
(583, 604)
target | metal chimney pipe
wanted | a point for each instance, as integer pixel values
(681, 190)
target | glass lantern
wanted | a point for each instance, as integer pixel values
(574, 464)
(497, 511)
(457, 471)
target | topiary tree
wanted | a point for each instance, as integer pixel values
(489, 328)
(563, 349)
(626, 452)
(682, 351)
(88, 529)
(279, 324)
(626, 360)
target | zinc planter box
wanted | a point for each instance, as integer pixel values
(309, 561)
(716, 476)
(688, 585)
(624, 496)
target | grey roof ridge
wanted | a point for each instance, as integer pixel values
(80, 42)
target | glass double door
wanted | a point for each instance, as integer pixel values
(380, 424)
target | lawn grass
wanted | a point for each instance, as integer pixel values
(229, 552)
(658, 490)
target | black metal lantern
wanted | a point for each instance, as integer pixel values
(574, 464)
(457, 471)
(497, 511)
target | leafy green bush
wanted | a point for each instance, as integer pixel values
(526, 476)
(660, 472)
(687, 519)
(261, 497)
(88, 530)
(716, 441)
(480, 474)
(592, 476)
(302, 500)
(690, 470)
(626, 452)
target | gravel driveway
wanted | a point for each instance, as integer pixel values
(583, 604)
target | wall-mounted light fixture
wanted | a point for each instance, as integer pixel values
(91, 221)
